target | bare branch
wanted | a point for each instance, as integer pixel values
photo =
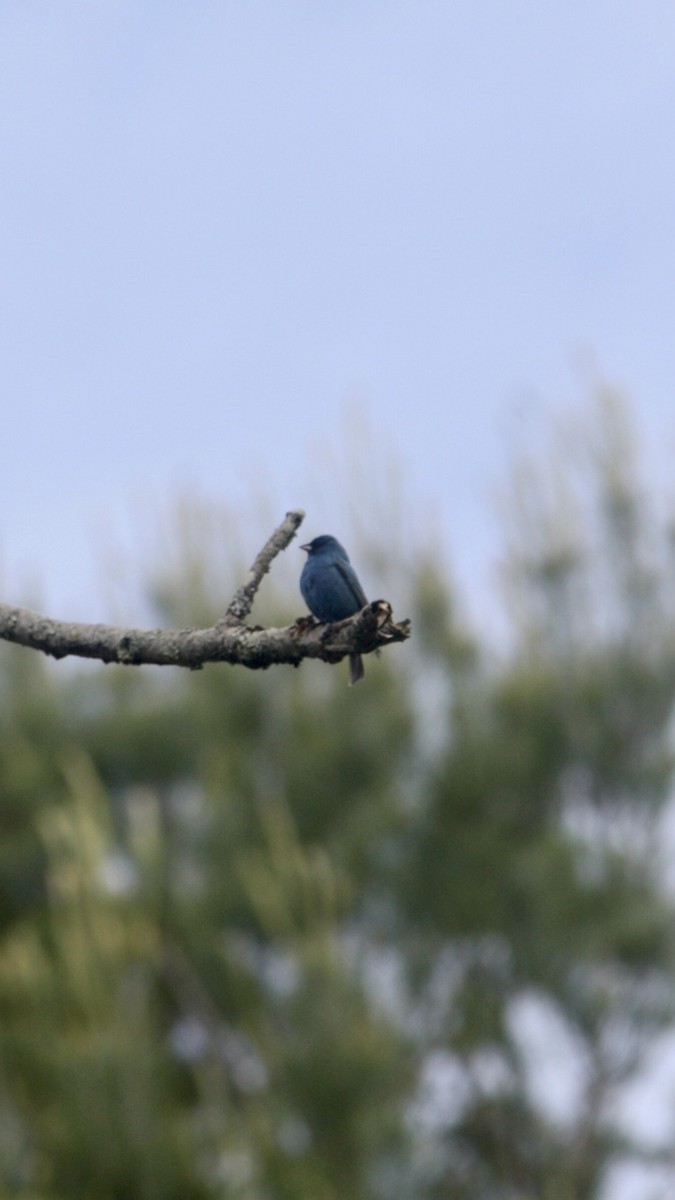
(242, 601)
(229, 640)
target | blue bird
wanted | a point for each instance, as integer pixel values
(331, 590)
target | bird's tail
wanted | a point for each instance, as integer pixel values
(356, 669)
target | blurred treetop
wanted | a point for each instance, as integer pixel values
(278, 940)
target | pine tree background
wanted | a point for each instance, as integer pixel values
(264, 937)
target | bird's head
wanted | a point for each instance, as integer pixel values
(325, 544)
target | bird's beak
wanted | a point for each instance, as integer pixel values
(305, 548)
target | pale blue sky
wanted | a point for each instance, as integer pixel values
(223, 224)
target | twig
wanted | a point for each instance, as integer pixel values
(243, 598)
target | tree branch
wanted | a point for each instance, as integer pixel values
(242, 601)
(229, 640)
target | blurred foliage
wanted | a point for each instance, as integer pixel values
(263, 937)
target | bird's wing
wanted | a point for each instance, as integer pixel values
(349, 575)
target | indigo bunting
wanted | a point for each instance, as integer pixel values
(331, 589)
